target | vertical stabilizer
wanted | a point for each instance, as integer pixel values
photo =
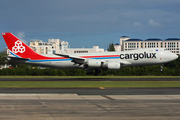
(17, 47)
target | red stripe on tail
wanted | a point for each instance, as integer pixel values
(17, 46)
(20, 49)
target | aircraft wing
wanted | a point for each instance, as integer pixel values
(79, 60)
(75, 59)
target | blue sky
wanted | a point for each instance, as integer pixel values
(87, 23)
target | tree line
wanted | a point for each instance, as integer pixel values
(154, 70)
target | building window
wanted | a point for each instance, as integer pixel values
(131, 45)
(80, 51)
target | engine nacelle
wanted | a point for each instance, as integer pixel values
(93, 63)
(113, 66)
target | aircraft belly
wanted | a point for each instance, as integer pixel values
(60, 65)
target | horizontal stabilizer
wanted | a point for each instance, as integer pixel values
(16, 58)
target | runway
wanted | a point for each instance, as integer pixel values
(89, 107)
(94, 91)
(90, 104)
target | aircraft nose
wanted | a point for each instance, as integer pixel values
(177, 56)
(174, 56)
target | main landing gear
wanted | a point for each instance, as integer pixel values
(95, 72)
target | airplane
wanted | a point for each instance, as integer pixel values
(20, 52)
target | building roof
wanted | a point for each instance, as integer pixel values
(153, 39)
(172, 39)
(124, 36)
(134, 40)
(117, 44)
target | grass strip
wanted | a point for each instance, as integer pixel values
(88, 84)
(89, 76)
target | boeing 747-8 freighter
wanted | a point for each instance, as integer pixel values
(20, 52)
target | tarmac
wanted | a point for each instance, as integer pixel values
(90, 104)
(89, 107)
(93, 91)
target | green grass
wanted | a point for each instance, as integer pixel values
(89, 76)
(88, 84)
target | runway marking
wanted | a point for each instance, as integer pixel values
(44, 105)
(108, 97)
(101, 88)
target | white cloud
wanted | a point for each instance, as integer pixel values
(137, 24)
(153, 23)
(21, 35)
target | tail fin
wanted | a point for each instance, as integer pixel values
(17, 47)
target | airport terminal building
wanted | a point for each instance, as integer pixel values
(126, 43)
(85, 50)
(50, 47)
(59, 47)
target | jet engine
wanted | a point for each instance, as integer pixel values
(93, 63)
(113, 66)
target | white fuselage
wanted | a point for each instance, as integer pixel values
(138, 57)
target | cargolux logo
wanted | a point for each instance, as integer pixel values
(136, 56)
(18, 47)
